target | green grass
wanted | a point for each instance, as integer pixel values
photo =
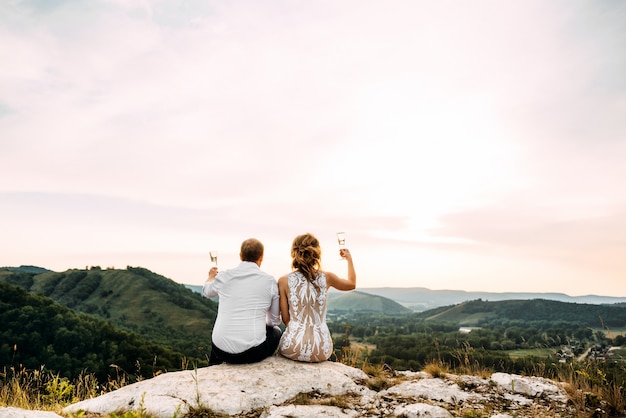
(619, 354)
(458, 315)
(531, 352)
(611, 332)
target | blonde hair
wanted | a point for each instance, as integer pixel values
(306, 254)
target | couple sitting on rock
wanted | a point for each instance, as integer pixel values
(251, 305)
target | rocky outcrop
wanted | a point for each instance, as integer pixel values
(277, 387)
(23, 413)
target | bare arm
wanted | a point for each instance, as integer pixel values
(343, 284)
(283, 291)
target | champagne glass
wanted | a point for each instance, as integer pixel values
(213, 254)
(341, 239)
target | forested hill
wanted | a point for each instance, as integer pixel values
(355, 301)
(134, 299)
(479, 313)
(36, 331)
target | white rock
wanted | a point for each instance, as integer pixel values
(308, 411)
(25, 413)
(414, 375)
(434, 389)
(518, 399)
(227, 388)
(536, 387)
(267, 388)
(421, 410)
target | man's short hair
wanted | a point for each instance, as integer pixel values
(251, 250)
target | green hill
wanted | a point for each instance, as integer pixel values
(479, 313)
(353, 302)
(458, 314)
(356, 301)
(134, 299)
(36, 331)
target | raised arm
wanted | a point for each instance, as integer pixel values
(208, 290)
(343, 284)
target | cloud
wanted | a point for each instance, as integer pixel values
(592, 243)
(452, 139)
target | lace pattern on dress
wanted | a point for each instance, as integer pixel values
(306, 338)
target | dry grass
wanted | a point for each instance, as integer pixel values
(588, 388)
(204, 413)
(436, 369)
(44, 390)
(585, 383)
(353, 355)
(469, 364)
(37, 389)
(346, 401)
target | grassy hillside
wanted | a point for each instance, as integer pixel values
(35, 331)
(135, 299)
(458, 314)
(356, 301)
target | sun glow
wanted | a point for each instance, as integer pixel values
(424, 153)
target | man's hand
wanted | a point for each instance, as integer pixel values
(212, 274)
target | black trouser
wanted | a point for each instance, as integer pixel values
(251, 355)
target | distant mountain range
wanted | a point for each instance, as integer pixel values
(396, 300)
(421, 299)
(26, 269)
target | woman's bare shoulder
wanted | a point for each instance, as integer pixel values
(330, 276)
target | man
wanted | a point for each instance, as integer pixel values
(248, 313)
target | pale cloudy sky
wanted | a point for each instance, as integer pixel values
(461, 145)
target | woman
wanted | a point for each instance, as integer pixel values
(303, 297)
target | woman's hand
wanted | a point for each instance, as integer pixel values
(345, 253)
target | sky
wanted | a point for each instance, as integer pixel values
(475, 146)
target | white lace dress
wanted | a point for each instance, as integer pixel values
(307, 337)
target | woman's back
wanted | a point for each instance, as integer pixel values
(306, 337)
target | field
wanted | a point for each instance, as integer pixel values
(531, 352)
(363, 346)
(612, 332)
(619, 353)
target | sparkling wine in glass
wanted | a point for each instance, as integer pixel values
(213, 255)
(341, 239)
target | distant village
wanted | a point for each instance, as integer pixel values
(599, 352)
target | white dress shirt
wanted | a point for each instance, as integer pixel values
(248, 301)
